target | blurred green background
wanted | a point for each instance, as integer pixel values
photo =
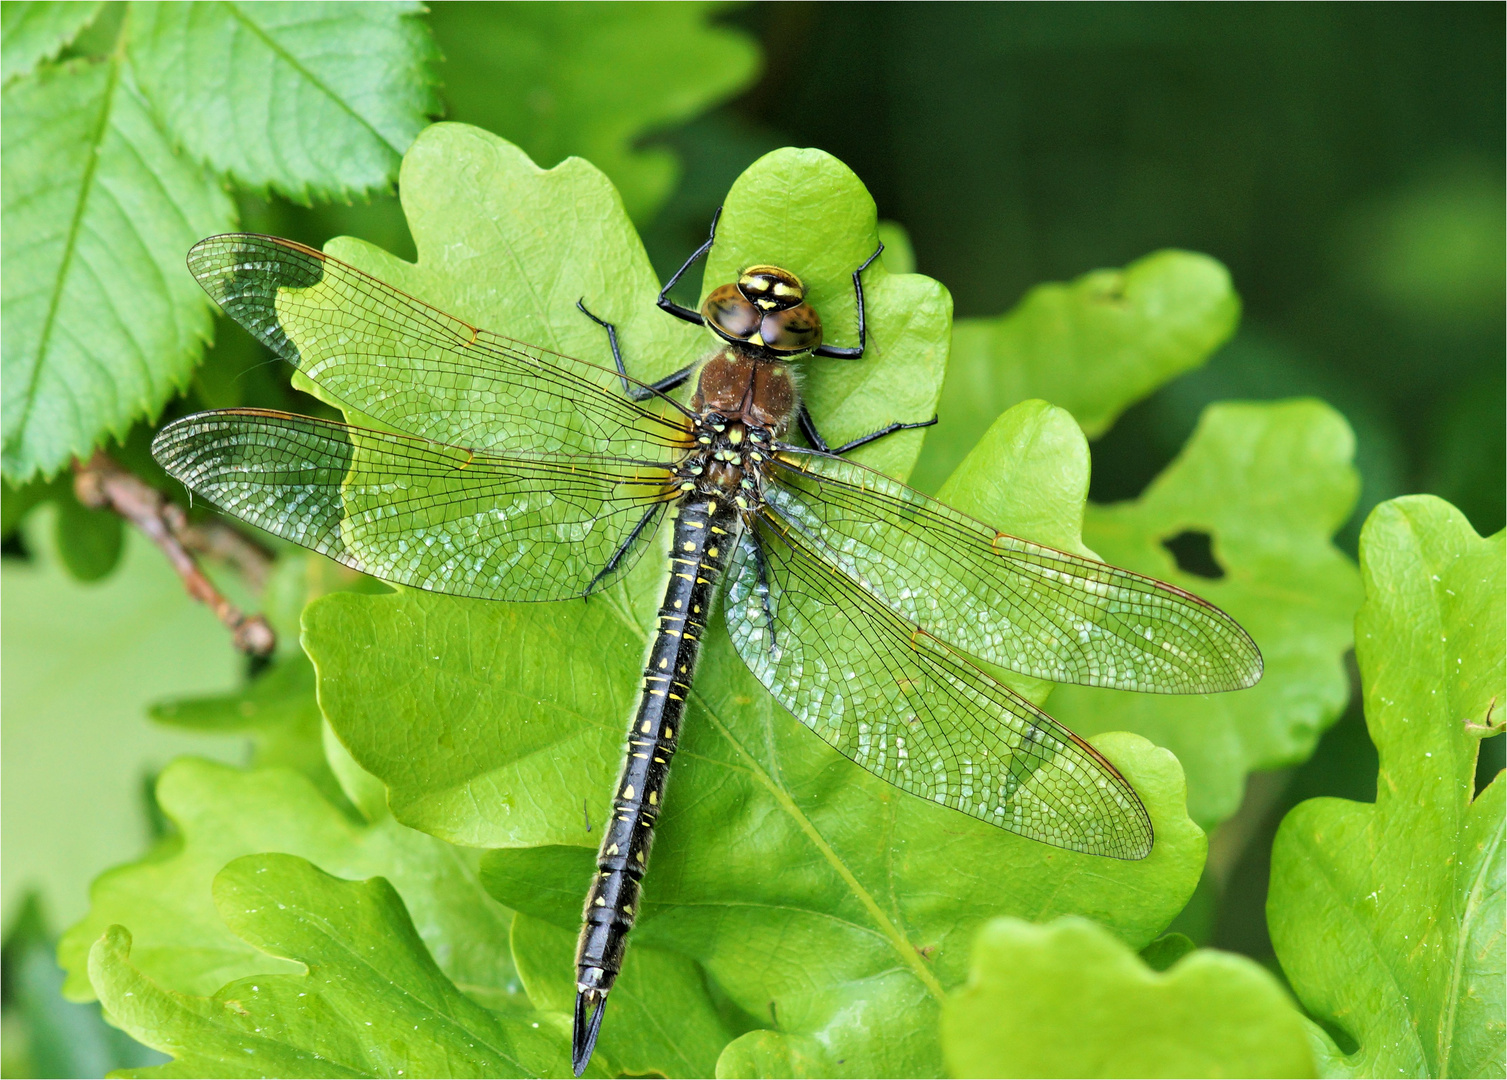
(1344, 161)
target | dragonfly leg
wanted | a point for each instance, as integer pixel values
(621, 552)
(808, 427)
(761, 568)
(635, 391)
(863, 330)
(664, 301)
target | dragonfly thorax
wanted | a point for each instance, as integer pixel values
(744, 401)
(728, 460)
(741, 384)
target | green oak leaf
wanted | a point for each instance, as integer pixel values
(88, 542)
(183, 944)
(803, 210)
(1167, 950)
(663, 1020)
(1387, 917)
(592, 79)
(313, 100)
(46, 1035)
(372, 1002)
(32, 31)
(832, 908)
(832, 1032)
(1270, 483)
(277, 710)
(1068, 999)
(1094, 346)
(102, 325)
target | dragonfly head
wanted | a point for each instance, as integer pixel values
(770, 288)
(766, 308)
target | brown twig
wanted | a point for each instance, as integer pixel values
(102, 484)
(219, 541)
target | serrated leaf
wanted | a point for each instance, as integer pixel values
(1094, 346)
(1388, 917)
(102, 323)
(1270, 484)
(373, 1002)
(31, 32)
(182, 943)
(592, 80)
(82, 662)
(1068, 999)
(789, 874)
(313, 100)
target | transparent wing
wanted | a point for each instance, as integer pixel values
(417, 369)
(904, 706)
(1028, 608)
(417, 512)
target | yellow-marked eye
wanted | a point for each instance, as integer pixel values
(731, 314)
(770, 288)
(793, 330)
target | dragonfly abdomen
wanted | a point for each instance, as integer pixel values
(706, 530)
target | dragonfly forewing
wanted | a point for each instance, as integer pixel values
(907, 708)
(419, 370)
(1028, 608)
(416, 512)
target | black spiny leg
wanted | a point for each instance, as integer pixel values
(622, 550)
(863, 329)
(761, 567)
(664, 301)
(635, 391)
(808, 426)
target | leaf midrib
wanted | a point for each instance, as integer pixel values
(1402, 999)
(887, 928)
(1444, 1048)
(96, 140)
(286, 57)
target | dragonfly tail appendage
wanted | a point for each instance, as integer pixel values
(590, 1005)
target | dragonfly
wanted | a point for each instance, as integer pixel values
(500, 470)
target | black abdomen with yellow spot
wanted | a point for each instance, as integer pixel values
(706, 530)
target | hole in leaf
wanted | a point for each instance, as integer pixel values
(1491, 760)
(1194, 552)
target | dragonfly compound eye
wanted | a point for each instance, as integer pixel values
(730, 313)
(770, 288)
(793, 330)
